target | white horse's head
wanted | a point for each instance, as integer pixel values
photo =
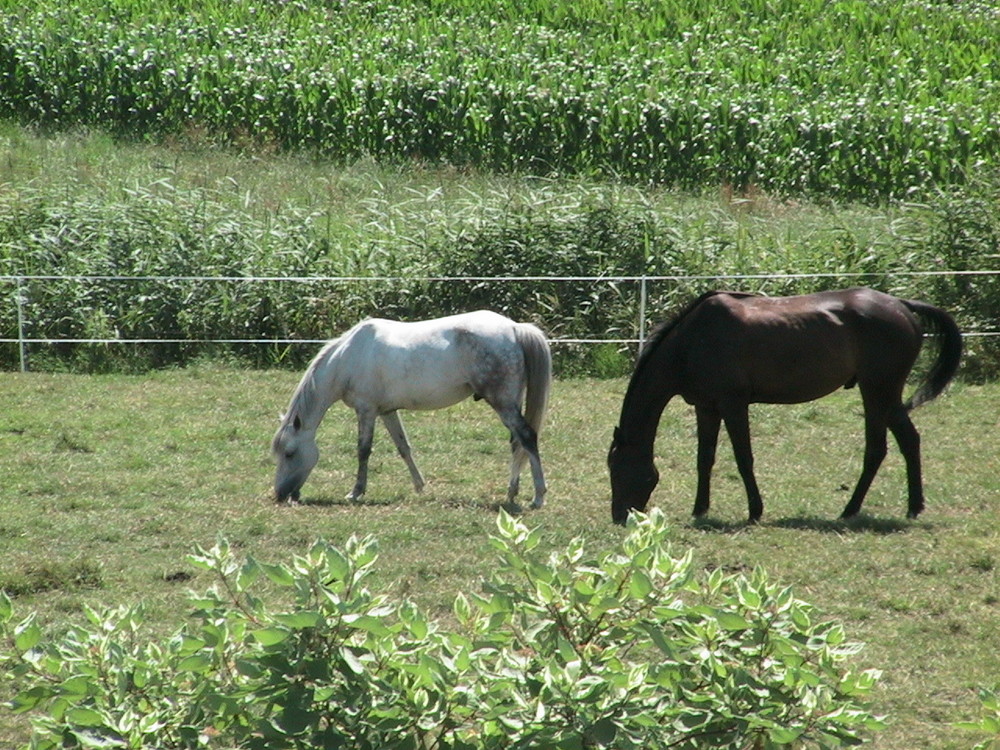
(294, 449)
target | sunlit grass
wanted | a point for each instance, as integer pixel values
(109, 481)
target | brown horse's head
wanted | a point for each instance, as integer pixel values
(633, 477)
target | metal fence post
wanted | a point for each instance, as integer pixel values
(21, 343)
(642, 312)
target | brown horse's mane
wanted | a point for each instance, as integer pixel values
(663, 330)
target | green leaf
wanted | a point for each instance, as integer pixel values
(297, 719)
(800, 617)
(374, 625)
(640, 586)
(248, 574)
(784, 735)
(659, 639)
(731, 620)
(299, 620)
(990, 724)
(271, 636)
(418, 627)
(27, 634)
(747, 596)
(352, 661)
(85, 717)
(89, 741)
(79, 686)
(461, 608)
(506, 524)
(972, 726)
(603, 732)
(195, 663)
(278, 574)
(28, 699)
(6, 607)
(337, 566)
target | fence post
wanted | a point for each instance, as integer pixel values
(642, 312)
(21, 344)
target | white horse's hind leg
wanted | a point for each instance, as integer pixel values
(526, 445)
(394, 425)
(517, 458)
(366, 434)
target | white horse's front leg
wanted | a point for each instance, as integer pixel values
(394, 425)
(366, 434)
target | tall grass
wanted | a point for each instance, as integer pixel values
(859, 100)
(87, 206)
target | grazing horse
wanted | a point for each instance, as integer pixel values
(381, 366)
(727, 350)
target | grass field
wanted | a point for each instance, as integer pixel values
(109, 481)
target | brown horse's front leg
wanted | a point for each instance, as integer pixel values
(737, 420)
(709, 422)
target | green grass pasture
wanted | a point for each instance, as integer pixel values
(109, 481)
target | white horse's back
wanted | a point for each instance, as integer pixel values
(429, 364)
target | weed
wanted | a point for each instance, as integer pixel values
(38, 578)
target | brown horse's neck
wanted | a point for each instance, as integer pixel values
(652, 386)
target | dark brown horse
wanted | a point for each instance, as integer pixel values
(727, 350)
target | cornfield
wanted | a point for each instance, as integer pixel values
(853, 100)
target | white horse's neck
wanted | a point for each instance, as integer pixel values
(321, 387)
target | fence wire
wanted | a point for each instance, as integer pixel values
(23, 339)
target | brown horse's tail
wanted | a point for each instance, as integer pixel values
(940, 324)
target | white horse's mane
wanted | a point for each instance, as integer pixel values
(304, 399)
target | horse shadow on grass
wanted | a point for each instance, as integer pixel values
(332, 501)
(460, 502)
(489, 505)
(860, 524)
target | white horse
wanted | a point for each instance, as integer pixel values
(381, 366)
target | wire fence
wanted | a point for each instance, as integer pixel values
(24, 339)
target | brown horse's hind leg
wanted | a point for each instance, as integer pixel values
(908, 440)
(737, 419)
(875, 450)
(709, 422)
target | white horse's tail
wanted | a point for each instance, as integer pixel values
(538, 369)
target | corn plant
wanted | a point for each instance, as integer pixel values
(853, 100)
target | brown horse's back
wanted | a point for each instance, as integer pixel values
(795, 349)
